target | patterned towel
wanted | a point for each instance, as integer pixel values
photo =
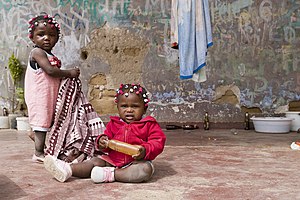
(76, 124)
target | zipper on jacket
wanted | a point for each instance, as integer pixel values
(125, 139)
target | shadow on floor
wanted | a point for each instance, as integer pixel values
(9, 190)
(163, 169)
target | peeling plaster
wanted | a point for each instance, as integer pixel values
(251, 109)
(227, 94)
(176, 109)
(282, 109)
(294, 106)
(123, 51)
(191, 105)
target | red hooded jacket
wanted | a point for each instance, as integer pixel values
(145, 132)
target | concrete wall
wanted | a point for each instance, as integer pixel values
(253, 65)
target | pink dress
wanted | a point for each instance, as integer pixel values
(41, 91)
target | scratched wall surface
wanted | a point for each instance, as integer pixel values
(254, 62)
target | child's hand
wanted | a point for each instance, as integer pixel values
(103, 142)
(74, 73)
(142, 153)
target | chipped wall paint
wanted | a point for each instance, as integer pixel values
(255, 51)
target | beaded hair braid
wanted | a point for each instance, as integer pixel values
(125, 89)
(45, 19)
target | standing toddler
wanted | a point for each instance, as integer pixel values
(42, 79)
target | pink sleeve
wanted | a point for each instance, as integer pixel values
(155, 143)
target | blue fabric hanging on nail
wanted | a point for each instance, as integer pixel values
(191, 29)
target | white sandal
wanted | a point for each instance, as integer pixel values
(37, 159)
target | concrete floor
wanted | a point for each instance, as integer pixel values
(197, 164)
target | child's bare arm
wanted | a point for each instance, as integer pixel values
(41, 58)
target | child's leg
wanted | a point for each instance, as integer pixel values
(62, 170)
(83, 169)
(31, 135)
(139, 171)
(39, 142)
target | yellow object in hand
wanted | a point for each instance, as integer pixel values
(123, 147)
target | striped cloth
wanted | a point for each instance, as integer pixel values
(76, 124)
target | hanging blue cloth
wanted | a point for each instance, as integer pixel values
(191, 27)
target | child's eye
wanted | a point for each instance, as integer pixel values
(138, 105)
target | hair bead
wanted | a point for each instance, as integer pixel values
(45, 19)
(132, 88)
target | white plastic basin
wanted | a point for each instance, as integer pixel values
(296, 122)
(4, 122)
(23, 124)
(272, 124)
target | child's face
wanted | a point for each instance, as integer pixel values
(131, 108)
(45, 37)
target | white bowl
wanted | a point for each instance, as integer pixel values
(295, 123)
(272, 124)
